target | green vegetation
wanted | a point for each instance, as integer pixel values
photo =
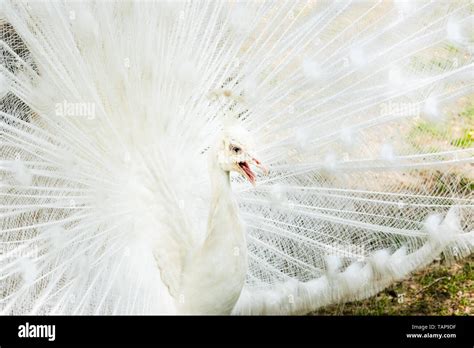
(468, 113)
(467, 138)
(440, 289)
(457, 132)
(465, 141)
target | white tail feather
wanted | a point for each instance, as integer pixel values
(108, 111)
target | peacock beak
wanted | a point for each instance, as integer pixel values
(248, 173)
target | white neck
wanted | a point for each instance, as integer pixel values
(221, 194)
(216, 273)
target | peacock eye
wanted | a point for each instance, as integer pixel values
(236, 149)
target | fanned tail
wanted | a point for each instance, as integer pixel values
(108, 109)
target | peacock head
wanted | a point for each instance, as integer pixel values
(235, 154)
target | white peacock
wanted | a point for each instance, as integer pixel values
(117, 194)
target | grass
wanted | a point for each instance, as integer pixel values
(467, 138)
(457, 132)
(440, 289)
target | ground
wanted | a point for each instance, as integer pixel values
(441, 289)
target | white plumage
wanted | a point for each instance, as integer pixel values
(121, 123)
